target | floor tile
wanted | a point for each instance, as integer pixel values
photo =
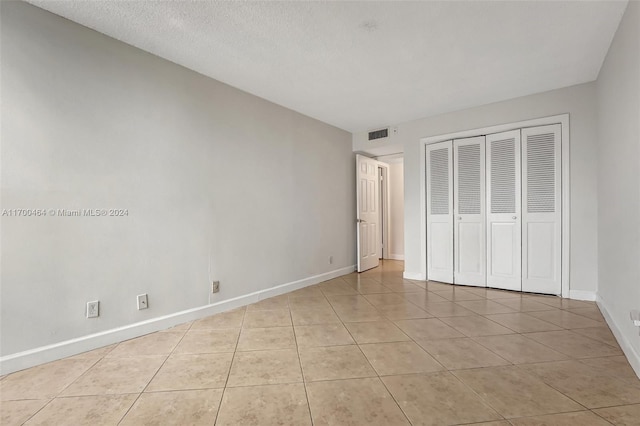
(476, 325)
(378, 300)
(102, 410)
(18, 412)
(265, 405)
(311, 291)
(485, 307)
(522, 323)
(426, 329)
(267, 318)
(438, 399)
(359, 314)
(314, 316)
(423, 298)
(446, 309)
(96, 353)
(626, 415)
(322, 335)
(265, 367)
(44, 381)
(198, 371)
(375, 332)
(188, 407)
(438, 286)
(272, 303)
(573, 344)
(403, 311)
(456, 294)
(614, 366)
(334, 362)
(522, 304)
(334, 289)
(518, 349)
(457, 354)
(255, 339)
(304, 303)
(151, 344)
(586, 385)
(231, 319)
(370, 288)
(116, 376)
(208, 341)
(590, 312)
(566, 319)
(582, 418)
(399, 358)
(353, 402)
(515, 393)
(402, 286)
(352, 301)
(603, 334)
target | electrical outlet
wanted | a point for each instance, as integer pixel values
(143, 301)
(330, 260)
(215, 286)
(93, 309)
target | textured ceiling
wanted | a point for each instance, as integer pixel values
(361, 65)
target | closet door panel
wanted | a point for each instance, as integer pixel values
(469, 211)
(439, 181)
(504, 229)
(542, 215)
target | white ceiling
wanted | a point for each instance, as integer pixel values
(362, 65)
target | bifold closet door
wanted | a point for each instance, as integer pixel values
(541, 209)
(440, 212)
(504, 251)
(469, 247)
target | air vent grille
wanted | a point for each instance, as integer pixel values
(378, 134)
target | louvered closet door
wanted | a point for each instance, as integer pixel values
(440, 212)
(541, 209)
(504, 261)
(469, 245)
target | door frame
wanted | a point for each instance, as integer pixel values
(562, 119)
(384, 210)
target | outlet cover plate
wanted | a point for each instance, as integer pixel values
(215, 286)
(93, 309)
(143, 301)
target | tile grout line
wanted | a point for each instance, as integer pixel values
(154, 374)
(233, 358)
(304, 384)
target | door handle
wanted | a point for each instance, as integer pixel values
(361, 221)
(514, 217)
(459, 217)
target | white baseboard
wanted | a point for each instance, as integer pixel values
(417, 276)
(395, 256)
(43, 354)
(630, 352)
(582, 295)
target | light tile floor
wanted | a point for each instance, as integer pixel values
(367, 349)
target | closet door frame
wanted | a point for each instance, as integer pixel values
(417, 270)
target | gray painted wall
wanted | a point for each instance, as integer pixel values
(213, 179)
(618, 91)
(578, 101)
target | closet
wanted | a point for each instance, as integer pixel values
(494, 210)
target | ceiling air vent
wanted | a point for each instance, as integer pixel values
(378, 134)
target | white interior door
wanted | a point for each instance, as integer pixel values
(541, 209)
(504, 229)
(367, 195)
(440, 212)
(469, 247)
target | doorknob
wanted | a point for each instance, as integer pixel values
(459, 217)
(514, 217)
(361, 221)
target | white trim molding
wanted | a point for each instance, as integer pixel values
(562, 119)
(630, 352)
(583, 295)
(43, 354)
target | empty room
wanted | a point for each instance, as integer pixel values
(319, 213)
